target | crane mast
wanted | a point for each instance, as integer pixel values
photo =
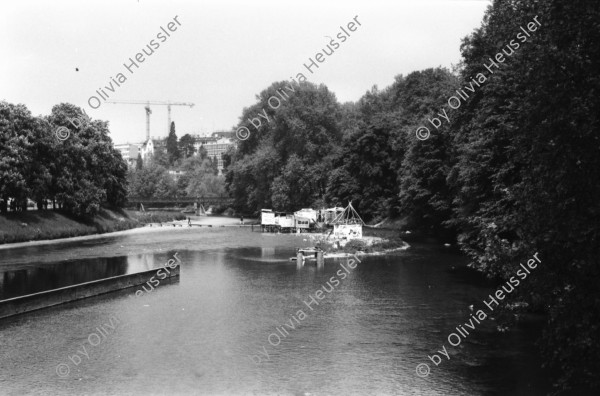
(147, 104)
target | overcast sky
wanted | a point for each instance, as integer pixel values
(221, 56)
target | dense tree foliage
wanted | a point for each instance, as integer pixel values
(77, 168)
(527, 172)
(177, 170)
(139, 162)
(186, 146)
(285, 161)
(513, 170)
(191, 177)
(382, 167)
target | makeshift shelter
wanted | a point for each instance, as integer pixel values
(285, 220)
(328, 215)
(309, 214)
(348, 224)
(267, 217)
(305, 219)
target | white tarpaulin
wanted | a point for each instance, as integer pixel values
(347, 231)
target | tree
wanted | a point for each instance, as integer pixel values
(42, 156)
(381, 166)
(364, 172)
(160, 156)
(89, 171)
(165, 187)
(227, 156)
(115, 181)
(202, 153)
(16, 129)
(302, 132)
(173, 153)
(145, 182)
(139, 163)
(186, 145)
(424, 196)
(527, 173)
(201, 179)
(81, 172)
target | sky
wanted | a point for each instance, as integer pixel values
(219, 57)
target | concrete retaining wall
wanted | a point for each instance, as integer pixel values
(32, 302)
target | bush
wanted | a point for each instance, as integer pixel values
(157, 217)
(229, 212)
(356, 245)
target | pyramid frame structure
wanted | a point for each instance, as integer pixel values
(348, 216)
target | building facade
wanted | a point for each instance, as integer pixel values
(216, 149)
(129, 152)
(215, 145)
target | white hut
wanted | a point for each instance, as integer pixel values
(348, 224)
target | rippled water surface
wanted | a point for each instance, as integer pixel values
(222, 328)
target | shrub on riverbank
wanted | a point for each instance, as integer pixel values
(156, 217)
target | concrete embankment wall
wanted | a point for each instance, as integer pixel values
(32, 302)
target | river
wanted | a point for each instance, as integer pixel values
(211, 332)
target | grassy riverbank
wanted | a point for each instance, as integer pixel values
(42, 225)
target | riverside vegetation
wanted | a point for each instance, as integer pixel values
(516, 169)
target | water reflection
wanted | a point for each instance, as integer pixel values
(365, 337)
(37, 278)
(267, 252)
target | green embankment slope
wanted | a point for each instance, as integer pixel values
(42, 225)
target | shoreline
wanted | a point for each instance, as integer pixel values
(32, 228)
(370, 242)
(361, 253)
(69, 239)
(46, 225)
(219, 221)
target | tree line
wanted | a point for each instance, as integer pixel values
(72, 164)
(515, 171)
(49, 158)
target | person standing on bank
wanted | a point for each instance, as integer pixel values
(242, 219)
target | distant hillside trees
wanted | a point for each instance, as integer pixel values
(179, 171)
(191, 177)
(79, 173)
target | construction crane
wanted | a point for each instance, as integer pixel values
(148, 111)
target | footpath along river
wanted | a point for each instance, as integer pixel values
(198, 335)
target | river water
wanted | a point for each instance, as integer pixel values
(231, 324)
